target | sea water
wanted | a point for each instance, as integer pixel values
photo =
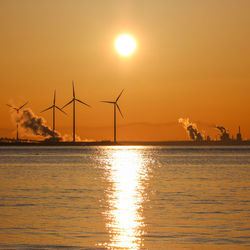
(124, 197)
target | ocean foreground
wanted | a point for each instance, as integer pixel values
(126, 197)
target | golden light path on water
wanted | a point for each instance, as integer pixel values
(124, 219)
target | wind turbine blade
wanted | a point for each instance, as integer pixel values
(108, 102)
(119, 96)
(73, 89)
(10, 106)
(67, 104)
(119, 110)
(83, 102)
(61, 110)
(22, 106)
(54, 97)
(47, 108)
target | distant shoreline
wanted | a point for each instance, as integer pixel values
(129, 143)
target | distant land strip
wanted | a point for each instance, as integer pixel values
(128, 143)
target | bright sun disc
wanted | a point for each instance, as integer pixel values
(125, 45)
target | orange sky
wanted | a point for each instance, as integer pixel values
(192, 60)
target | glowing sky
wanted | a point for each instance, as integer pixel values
(191, 60)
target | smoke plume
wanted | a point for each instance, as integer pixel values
(69, 138)
(35, 124)
(224, 135)
(191, 129)
(222, 129)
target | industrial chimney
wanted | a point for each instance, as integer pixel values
(239, 137)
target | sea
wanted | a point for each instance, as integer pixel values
(125, 197)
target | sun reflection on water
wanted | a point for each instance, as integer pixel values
(125, 222)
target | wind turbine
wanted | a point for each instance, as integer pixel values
(115, 105)
(17, 111)
(54, 107)
(74, 100)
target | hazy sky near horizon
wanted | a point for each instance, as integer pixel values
(192, 60)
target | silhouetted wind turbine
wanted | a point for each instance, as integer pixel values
(17, 111)
(54, 107)
(115, 105)
(74, 103)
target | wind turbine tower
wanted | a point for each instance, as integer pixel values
(17, 111)
(74, 100)
(115, 106)
(54, 107)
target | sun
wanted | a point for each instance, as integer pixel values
(125, 45)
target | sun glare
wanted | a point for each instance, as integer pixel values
(125, 45)
(125, 222)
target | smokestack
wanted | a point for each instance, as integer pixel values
(239, 137)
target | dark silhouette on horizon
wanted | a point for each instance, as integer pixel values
(74, 99)
(194, 134)
(224, 135)
(54, 107)
(238, 136)
(115, 105)
(17, 121)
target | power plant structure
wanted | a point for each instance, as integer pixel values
(224, 136)
(238, 136)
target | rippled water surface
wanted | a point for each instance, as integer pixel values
(125, 197)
